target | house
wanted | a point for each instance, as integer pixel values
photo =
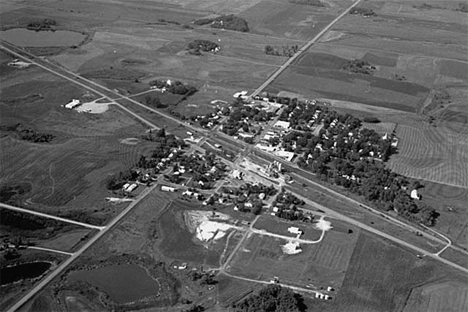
(132, 187)
(295, 230)
(282, 124)
(239, 94)
(236, 174)
(275, 209)
(74, 103)
(167, 188)
(288, 156)
(415, 195)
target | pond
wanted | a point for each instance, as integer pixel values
(23, 37)
(23, 271)
(123, 283)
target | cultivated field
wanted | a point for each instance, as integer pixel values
(69, 171)
(405, 49)
(450, 297)
(381, 276)
(431, 153)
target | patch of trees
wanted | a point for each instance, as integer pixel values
(345, 155)
(359, 67)
(230, 22)
(154, 101)
(11, 194)
(287, 51)
(400, 77)
(28, 134)
(196, 46)
(195, 308)
(203, 278)
(362, 11)
(41, 25)
(316, 3)
(24, 221)
(174, 87)
(441, 97)
(240, 118)
(463, 7)
(272, 298)
(116, 182)
(371, 119)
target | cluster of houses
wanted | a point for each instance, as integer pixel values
(279, 129)
(129, 187)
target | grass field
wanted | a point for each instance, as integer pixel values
(318, 264)
(70, 170)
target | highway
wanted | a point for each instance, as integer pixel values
(301, 50)
(116, 98)
(45, 215)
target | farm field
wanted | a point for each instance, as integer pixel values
(405, 50)
(69, 171)
(429, 153)
(381, 276)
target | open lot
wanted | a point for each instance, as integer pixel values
(318, 264)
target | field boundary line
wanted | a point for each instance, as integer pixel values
(45, 215)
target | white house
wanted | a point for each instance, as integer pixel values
(167, 188)
(415, 195)
(282, 124)
(295, 230)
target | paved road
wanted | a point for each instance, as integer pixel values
(402, 224)
(85, 83)
(85, 247)
(380, 233)
(44, 215)
(301, 50)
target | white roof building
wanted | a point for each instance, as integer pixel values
(282, 124)
(294, 230)
(415, 195)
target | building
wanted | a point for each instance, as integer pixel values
(288, 156)
(239, 94)
(295, 230)
(236, 174)
(415, 195)
(282, 124)
(132, 187)
(167, 188)
(74, 103)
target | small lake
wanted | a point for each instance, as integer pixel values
(23, 37)
(23, 271)
(123, 283)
